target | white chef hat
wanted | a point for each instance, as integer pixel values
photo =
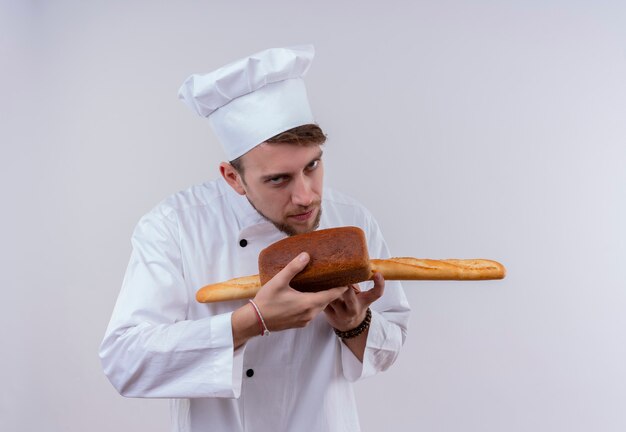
(253, 99)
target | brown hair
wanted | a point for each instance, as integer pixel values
(305, 135)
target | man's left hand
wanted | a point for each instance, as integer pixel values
(348, 311)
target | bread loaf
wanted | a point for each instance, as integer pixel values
(338, 257)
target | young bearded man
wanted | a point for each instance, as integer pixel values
(221, 370)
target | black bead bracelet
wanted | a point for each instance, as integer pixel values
(358, 330)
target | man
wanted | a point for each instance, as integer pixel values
(284, 361)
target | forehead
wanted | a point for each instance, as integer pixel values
(279, 158)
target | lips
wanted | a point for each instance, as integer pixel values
(304, 215)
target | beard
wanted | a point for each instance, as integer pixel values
(287, 228)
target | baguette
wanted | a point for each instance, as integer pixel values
(235, 289)
(403, 268)
(406, 268)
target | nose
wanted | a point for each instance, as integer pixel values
(302, 193)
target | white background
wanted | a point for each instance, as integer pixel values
(492, 129)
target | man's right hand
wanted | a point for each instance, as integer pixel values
(281, 306)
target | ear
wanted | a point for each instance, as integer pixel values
(232, 177)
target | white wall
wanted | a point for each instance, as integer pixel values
(489, 129)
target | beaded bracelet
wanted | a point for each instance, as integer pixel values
(358, 330)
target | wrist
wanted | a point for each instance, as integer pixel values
(359, 329)
(244, 325)
(350, 323)
(260, 320)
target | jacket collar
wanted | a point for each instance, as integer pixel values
(245, 214)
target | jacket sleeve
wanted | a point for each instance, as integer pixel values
(390, 317)
(150, 348)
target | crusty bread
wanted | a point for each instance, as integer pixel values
(428, 269)
(391, 269)
(338, 257)
(235, 289)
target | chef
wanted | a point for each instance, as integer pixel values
(284, 361)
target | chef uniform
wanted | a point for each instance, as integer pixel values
(161, 343)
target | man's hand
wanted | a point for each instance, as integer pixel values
(349, 310)
(281, 306)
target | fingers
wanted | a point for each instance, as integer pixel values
(376, 291)
(349, 299)
(287, 308)
(327, 296)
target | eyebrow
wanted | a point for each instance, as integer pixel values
(271, 176)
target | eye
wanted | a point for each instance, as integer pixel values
(276, 180)
(313, 165)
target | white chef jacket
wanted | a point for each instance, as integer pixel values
(162, 343)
